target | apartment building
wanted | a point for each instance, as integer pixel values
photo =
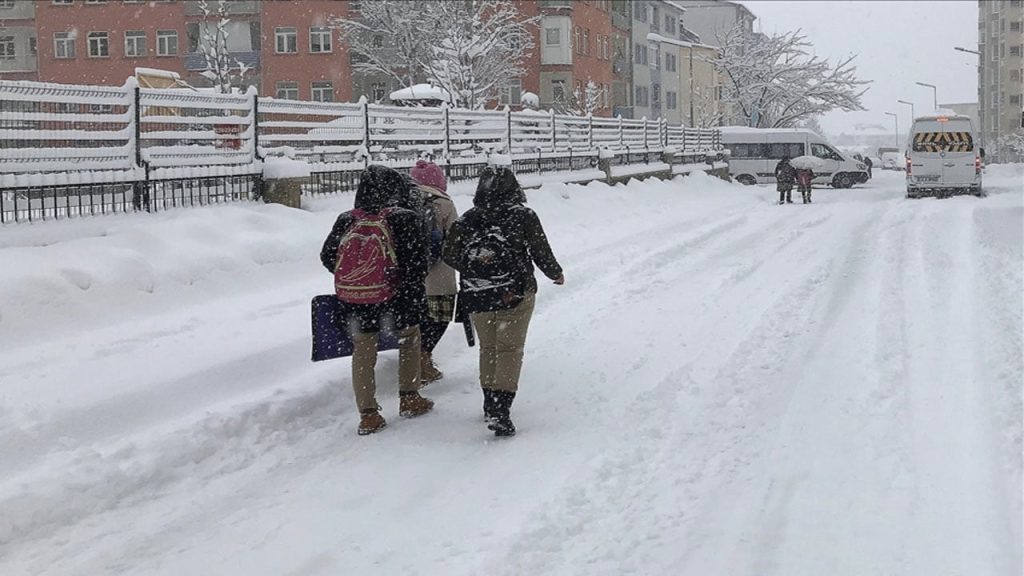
(574, 47)
(1000, 75)
(285, 46)
(711, 19)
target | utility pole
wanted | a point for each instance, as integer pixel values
(935, 92)
(911, 104)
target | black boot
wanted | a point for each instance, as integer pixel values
(490, 405)
(501, 423)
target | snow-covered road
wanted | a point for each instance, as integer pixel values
(723, 387)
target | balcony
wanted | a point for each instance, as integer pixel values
(196, 62)
(235, 7)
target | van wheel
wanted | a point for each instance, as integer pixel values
(842, 180)
(746, 180)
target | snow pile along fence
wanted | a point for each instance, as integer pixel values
(76, 150)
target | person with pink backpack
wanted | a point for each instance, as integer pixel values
(378, 255)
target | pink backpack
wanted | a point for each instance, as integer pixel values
(367, 267)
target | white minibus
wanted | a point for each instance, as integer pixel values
(943, 157)
(756, 151)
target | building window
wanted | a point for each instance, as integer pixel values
(558, 90)
(33, 47)
(287, 90)
(640, 11)
(286, 40)
(166, 42)
(6, 47)
(655, 59)
(99, 45)
(655, 19)
(1014, 98)
(378, 41)
(552, 36)
(640, 53)
(671, 100)
(670, 25)
(134, 43)
(95, 1)
(1014, 26)
(512, 93)
(1014, 50)
(6, 4)
(642, 96)
(63, 45)
(586, 41)
(319, 40)
(670, 62)
(323, 92)
(1014, 75)
(576, 40)
(62, 2)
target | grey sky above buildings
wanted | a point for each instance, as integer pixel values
(898, 43)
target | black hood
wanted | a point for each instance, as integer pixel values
(380, 187)
(498, 189)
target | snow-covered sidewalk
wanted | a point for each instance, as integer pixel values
(723, 386)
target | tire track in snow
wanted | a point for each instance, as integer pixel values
(648, 503)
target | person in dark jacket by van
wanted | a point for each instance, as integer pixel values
(494, 246)
(378, 188)
(785, 176)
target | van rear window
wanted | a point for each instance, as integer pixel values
(943, 142)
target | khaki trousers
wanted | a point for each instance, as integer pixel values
(502, 337)
(364, 361)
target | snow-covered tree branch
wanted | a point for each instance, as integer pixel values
(480, 46)
(773, 81)
(221, 68)
(582, 102)
(469, 48)
(389, 37)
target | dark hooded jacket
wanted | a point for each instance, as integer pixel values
(785, 174)
(379, 188)
(499, 201)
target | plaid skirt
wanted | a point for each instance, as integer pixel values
(441, 309)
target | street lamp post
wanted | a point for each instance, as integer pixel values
(896, 122)
(981, 101)
(911, 104)
(935, 92)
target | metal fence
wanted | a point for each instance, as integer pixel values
(68, 151)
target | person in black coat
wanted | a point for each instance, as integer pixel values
(785, 177)
(379, 189)
(501, 306)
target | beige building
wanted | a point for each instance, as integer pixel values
(1000, 75)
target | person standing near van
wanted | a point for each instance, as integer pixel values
(440, 284)
(785, 175)
(868, 163)
(494, 246)
(377, 253)
(804, 177)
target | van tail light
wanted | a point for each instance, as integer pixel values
(977, 165)
(908, 166)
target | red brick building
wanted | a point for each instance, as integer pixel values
(302, 58)
(574, 45)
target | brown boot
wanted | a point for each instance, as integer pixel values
(428, 371)
(411, 404)
(371, 422)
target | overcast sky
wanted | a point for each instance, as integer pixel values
(898, 43)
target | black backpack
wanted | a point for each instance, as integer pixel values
(490, 278)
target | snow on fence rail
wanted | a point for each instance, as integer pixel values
(69, 150)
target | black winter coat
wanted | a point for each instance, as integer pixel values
(499, 201)
(381, 187)
(785, 174)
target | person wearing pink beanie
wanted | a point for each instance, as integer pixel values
(441, 288)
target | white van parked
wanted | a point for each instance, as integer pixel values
(943, 157)
(756, 151)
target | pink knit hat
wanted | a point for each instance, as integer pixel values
(429, 174)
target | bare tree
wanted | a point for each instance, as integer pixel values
(773, 81)
(388, 37)
(221, 67)
(478, 47)
(583, 102)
